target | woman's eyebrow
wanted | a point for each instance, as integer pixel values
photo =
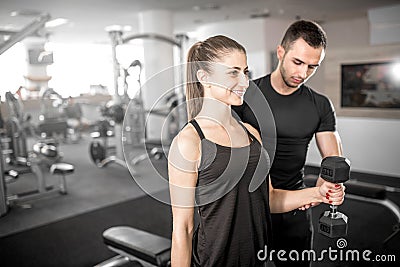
(238, 68)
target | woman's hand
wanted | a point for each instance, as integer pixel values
(306, 207)
(331, 193)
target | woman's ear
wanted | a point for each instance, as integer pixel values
(202, 77)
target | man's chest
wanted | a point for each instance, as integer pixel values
(295, 117)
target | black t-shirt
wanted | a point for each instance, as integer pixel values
(298, 117)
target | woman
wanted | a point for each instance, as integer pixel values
(212, 162)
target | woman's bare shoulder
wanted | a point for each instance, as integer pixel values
(253, 131)
(186, 143)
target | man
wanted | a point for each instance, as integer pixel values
(299, 113)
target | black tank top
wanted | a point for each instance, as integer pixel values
(234, 217)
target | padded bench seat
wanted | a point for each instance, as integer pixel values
(363, 189)
(141, 244)
(62, 168)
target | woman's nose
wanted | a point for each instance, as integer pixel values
(243, 80)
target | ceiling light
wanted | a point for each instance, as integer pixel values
(26, 12)
(55, 22)
(212, 6)
(118, 28)
(264, 14)
(396, 71)
(8, 27)
(209, 6)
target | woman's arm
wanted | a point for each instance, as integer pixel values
(182, 171)
(287, 200)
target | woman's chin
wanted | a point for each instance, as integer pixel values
(238, 102)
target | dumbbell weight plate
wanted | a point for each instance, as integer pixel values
(333, 225)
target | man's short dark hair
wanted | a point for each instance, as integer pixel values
(309, 31)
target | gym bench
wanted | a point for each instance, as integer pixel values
(134, 245)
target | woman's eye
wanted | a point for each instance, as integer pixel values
(234, 73)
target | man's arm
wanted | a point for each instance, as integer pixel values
(286, 200)
(329, 144)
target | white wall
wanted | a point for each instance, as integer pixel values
(347, 33)
(341, 34)
(255, 35)
(253, 40)
(372, 145)
(385, 25)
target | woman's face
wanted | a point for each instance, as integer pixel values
(228, 79)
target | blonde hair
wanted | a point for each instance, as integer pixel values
(200, 55)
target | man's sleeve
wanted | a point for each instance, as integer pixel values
(237, 111)
(327, 113)
(246, 115)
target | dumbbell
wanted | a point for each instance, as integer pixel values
(336, 170)
(48, 150)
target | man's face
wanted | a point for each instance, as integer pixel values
(299, 62)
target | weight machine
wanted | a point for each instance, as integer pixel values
(59, 116)
(16, 127)
(136, 128)
(44, 156)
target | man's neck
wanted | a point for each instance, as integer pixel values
(279, 85)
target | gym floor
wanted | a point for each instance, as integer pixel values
(65, 230)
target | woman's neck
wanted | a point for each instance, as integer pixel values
(216, 111)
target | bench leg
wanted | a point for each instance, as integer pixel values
(63, 185)
(117, 261)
